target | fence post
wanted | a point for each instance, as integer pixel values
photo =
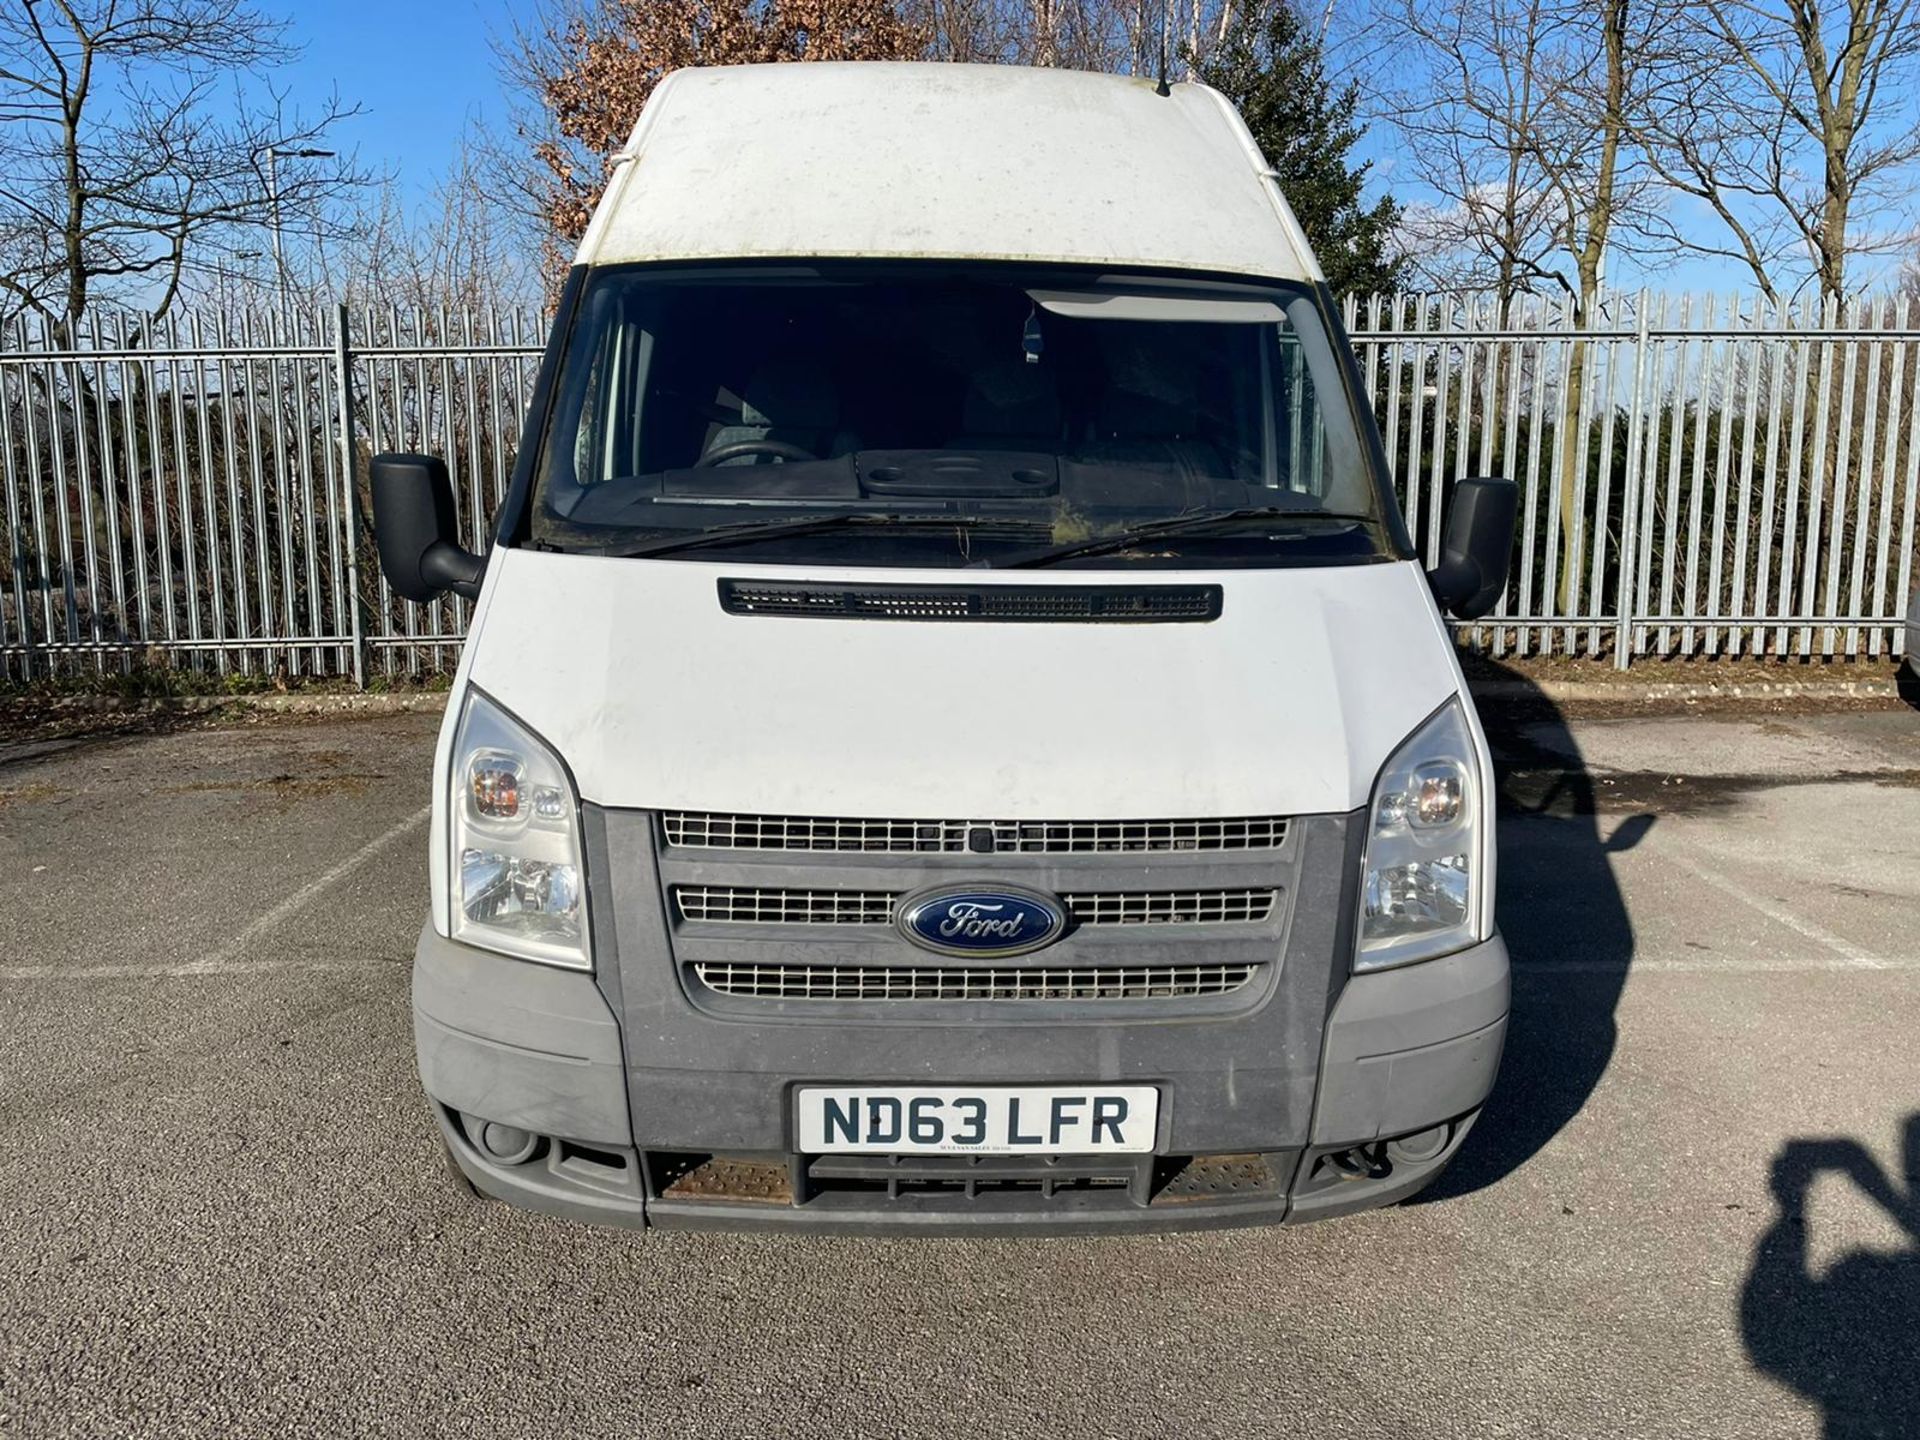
(1630, 499)
(343, 387)
(16, 527)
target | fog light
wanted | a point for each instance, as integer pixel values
(508, 1144)
(1420, 1147)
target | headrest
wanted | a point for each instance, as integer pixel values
(1149, 396)
(789, 394)
(1012, 397)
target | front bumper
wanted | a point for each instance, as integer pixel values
(1407, 1058)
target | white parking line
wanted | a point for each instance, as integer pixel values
(1852, 954)
(229, 958)
(1644, 964)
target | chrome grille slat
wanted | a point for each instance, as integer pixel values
(762, 905)
(713, 831)
(758, 905)
(1171, 907)
(972, 982)
(719, 830)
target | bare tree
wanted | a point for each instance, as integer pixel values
(1518, 118)
(1794, 122)
(118, 172)
(1105, 35)
(1470, 121)
(457, 250)
(968, 32)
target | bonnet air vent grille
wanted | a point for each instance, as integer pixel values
(1098, 604)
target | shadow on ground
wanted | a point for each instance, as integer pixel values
(1907, 683)
(1847, 1338)
(1566, 925)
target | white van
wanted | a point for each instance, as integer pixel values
(953, 732)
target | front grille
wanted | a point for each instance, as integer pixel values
(752, 904)
(1097, 604)
(972, 982)
(696, 829)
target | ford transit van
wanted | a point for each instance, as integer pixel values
(953, 733)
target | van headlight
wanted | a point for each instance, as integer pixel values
(1421, 883)
(514, 824)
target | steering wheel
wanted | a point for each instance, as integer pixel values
(779, 449)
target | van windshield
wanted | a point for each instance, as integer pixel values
(939, 417)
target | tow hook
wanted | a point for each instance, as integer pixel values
(1360, 1162)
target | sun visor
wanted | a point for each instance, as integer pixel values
(1148, 305)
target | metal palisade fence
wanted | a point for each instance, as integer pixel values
(1700, 475)
(192, 493)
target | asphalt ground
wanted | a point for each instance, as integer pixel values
(1692, 1207)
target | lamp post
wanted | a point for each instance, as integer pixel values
(273, 152)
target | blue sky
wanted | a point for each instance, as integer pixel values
(421, 68)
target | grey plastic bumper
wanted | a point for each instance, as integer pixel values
(1407, 1051)
(529, 1045)
(523, 1044)
(1413, 1047)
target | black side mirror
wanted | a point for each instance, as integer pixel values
(417, 530)
(1478, 548)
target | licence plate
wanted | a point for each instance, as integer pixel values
(1040, 1120)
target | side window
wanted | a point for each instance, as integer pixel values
(606, 445)
(1299, 427)
(589, 439)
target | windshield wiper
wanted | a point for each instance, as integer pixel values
(1186, 523)
(792, 525)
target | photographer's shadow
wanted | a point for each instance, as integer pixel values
(1566, 925)
(1849, 1338)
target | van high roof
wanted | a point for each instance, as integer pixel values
(910, 161)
